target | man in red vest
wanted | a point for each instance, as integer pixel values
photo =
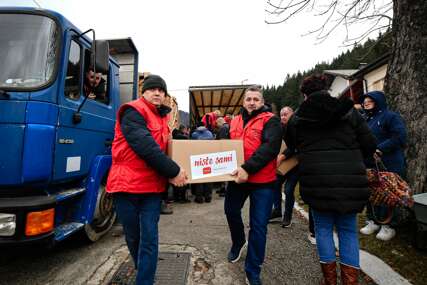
(140, 172)
(261, 133)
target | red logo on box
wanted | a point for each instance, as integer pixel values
(207, 170)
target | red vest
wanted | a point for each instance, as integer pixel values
(212, 120)
(129, 173)
(251, 135)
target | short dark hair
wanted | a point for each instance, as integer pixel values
(253, 88)
(314, 83)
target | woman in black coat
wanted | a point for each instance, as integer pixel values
(331, 139)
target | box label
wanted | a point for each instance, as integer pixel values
(213, 164)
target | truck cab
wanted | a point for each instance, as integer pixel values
(57, 117)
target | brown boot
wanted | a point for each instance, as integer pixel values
(329, 273)
(349, 275)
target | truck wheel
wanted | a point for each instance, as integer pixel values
(104, 216)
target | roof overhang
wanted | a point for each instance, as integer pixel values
(372, 66)
(344, 73)
(205, 99)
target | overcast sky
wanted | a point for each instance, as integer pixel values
(202, 42)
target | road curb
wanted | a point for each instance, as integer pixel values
(375, 268)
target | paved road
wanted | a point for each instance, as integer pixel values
(71, 262)
(197, 228)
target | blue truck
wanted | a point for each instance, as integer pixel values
(59, 93)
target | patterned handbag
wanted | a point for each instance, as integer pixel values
(388, 188)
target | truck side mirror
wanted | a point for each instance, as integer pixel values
(101, 50)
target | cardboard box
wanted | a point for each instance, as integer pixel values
(286, 165)
(207, 160)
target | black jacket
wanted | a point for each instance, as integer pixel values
(288, 152)
(331, 137)
(223, 132)
(139, 138)
(178, 135)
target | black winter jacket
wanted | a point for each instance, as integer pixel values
(139, 138)
(223, 132)
(331, 138)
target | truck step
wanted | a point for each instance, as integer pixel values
(69, 193)
(64, 230)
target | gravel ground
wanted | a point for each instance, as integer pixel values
(290, 258)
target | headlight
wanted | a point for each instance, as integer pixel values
(7, 224)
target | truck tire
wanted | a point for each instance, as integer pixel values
(104, 215)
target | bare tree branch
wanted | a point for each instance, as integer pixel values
(375, 14)
(290, 5)
(304, 4)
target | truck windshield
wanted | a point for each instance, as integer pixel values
(28, 50)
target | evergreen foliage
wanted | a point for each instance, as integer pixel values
(288, 93)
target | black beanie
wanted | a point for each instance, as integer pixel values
(154, 81)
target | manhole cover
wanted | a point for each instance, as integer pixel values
(172, 269)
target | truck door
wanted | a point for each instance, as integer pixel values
(78, 144)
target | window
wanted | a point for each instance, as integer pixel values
(28, 51)
(72, 79)
(95, 83)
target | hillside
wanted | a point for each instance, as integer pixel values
(288, 93)
(184, 118)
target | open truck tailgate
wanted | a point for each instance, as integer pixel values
(205, 99)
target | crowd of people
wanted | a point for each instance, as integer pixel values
(333, 141)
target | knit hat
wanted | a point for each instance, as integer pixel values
(154, 81)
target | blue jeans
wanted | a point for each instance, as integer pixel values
(291, 180)
(139, 215)
(346, 226)
(261, 201)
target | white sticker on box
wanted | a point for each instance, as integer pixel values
(213, 164)
(73, 163)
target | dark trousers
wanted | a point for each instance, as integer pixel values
(203, 190)
(379, 213)
(179, 193)
(291, 180)
(277, 194)
(139, 215)
(261, 201)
